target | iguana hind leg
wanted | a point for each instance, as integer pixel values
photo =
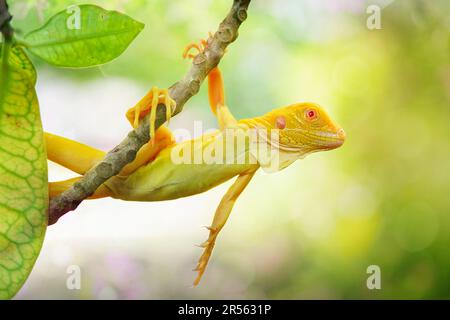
(148, 104)
(162, 139)
(80, 158)
(71, 154)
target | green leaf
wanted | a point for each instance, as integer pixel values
(83, 36)
(23, 172)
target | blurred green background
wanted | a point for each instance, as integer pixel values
(309, 231)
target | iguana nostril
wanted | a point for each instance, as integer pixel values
(341, 134)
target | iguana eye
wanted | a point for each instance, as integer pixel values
(311, 114)
(280, 122)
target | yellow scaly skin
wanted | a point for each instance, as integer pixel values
(302, 128)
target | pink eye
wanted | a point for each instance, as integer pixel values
(311, 114)
(280, 122)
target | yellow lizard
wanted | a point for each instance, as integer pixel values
(157, 173)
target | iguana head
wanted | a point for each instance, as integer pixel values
(303, 128)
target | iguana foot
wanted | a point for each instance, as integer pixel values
(149, 103)
(200, 47)
(208, 245)
(220, 218)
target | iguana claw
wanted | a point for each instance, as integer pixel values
(150, 103)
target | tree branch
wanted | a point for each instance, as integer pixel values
(181, 92)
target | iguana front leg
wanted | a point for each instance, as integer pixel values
(216, 95)
(220, 218)
(216, 92)
(149, 103)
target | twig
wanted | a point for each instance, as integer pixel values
(181, 92)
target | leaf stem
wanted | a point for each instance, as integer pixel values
(7, 34)
(5, 56)
(5, 18)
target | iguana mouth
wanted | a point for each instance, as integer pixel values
(324, 140)
(336, 139)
